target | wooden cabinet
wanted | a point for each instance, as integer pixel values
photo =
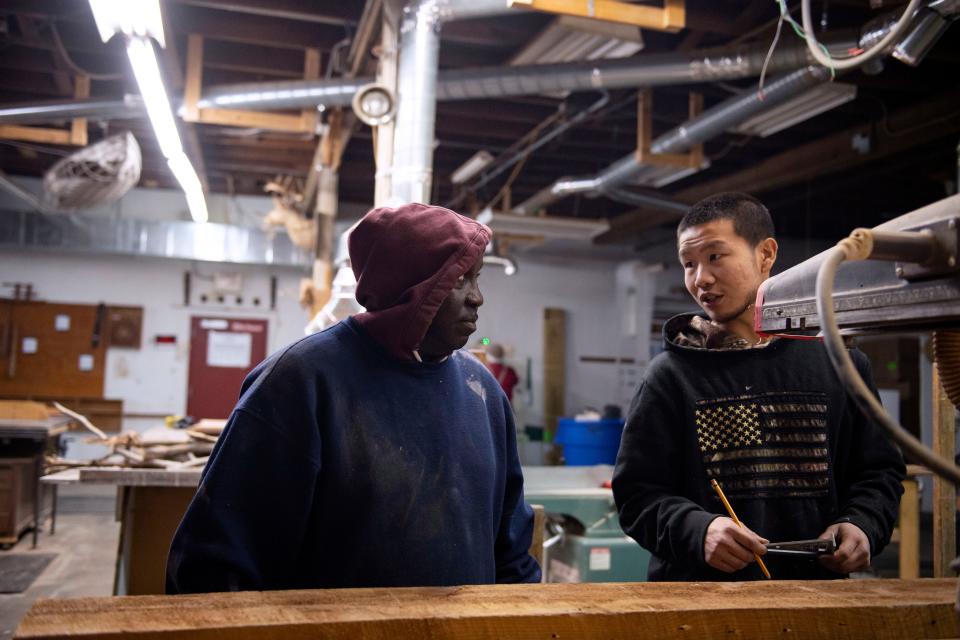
(17, 484)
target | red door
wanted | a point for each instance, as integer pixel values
(222, 353)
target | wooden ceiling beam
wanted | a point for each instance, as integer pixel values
(341, 14)
(252, 29)
(253, 59)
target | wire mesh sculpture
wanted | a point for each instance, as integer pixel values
(96, 175)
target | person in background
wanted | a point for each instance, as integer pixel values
(375, 453)
(504, 373)
(767, 419)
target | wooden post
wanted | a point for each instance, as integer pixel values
(536, 543)
(692, 159)
(311, 71)
(78, 127)
(909, 530)
(944, 491)
(194, 79)
(554, 357)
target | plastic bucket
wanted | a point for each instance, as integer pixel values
(589, 442)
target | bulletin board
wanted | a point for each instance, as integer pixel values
(52, 349)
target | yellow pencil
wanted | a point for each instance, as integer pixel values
(733, 516)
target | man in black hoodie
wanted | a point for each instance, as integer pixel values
(768, 419)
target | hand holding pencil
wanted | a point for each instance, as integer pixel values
(729, 544)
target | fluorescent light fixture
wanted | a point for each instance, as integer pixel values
(129, 17)
(572, 38)
(143, 59)
(477, 163)
(138, 21)
(803, 107)
(189, 181)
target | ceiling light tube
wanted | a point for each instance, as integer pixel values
(138, 22)
(477, 163)
(129, 17)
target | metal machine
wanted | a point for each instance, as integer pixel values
(903, 275)
(585, 542)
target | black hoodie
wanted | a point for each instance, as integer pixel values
(776, 429)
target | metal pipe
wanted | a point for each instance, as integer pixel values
(645, 200)
(412, 171)
(130, 106)
(484, 82)
(734, 111)
(14, 189)
(493, 82)
(707, 125)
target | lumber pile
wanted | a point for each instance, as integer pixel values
(160, 447)
(828, 609)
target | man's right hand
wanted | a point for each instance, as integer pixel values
(729, 547)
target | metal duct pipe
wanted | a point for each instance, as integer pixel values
(130, 106)
(645, 200)
(412, 172)
(649, 70)
(413, 141)
(734, 111)
(710, 123)
(461, 84)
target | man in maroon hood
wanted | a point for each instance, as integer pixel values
(375, 453)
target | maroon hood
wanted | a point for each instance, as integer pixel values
(406, 260)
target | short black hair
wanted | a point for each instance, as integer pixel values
(751, 220)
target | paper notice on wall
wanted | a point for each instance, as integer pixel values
(229, 349)
(600, 559)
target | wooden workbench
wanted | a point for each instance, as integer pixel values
(829, 609)
(150, 505)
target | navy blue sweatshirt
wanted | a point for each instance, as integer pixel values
(343, 466)
(775, 427)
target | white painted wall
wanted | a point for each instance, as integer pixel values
(153, 379)
(512, 314)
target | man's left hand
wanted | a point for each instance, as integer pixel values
(853, 551)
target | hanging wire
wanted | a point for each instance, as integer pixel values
(797, 29)
(766, 61)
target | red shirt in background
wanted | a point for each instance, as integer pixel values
(506, 376)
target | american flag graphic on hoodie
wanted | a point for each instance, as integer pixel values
(767, 445)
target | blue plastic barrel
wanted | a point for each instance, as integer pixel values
(590, 441)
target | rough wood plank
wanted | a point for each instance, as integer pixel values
(130, 477)
(830, 609)
(944, 491)
(34, 134)
(257, 119)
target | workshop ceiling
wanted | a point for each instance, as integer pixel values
(817, 182)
